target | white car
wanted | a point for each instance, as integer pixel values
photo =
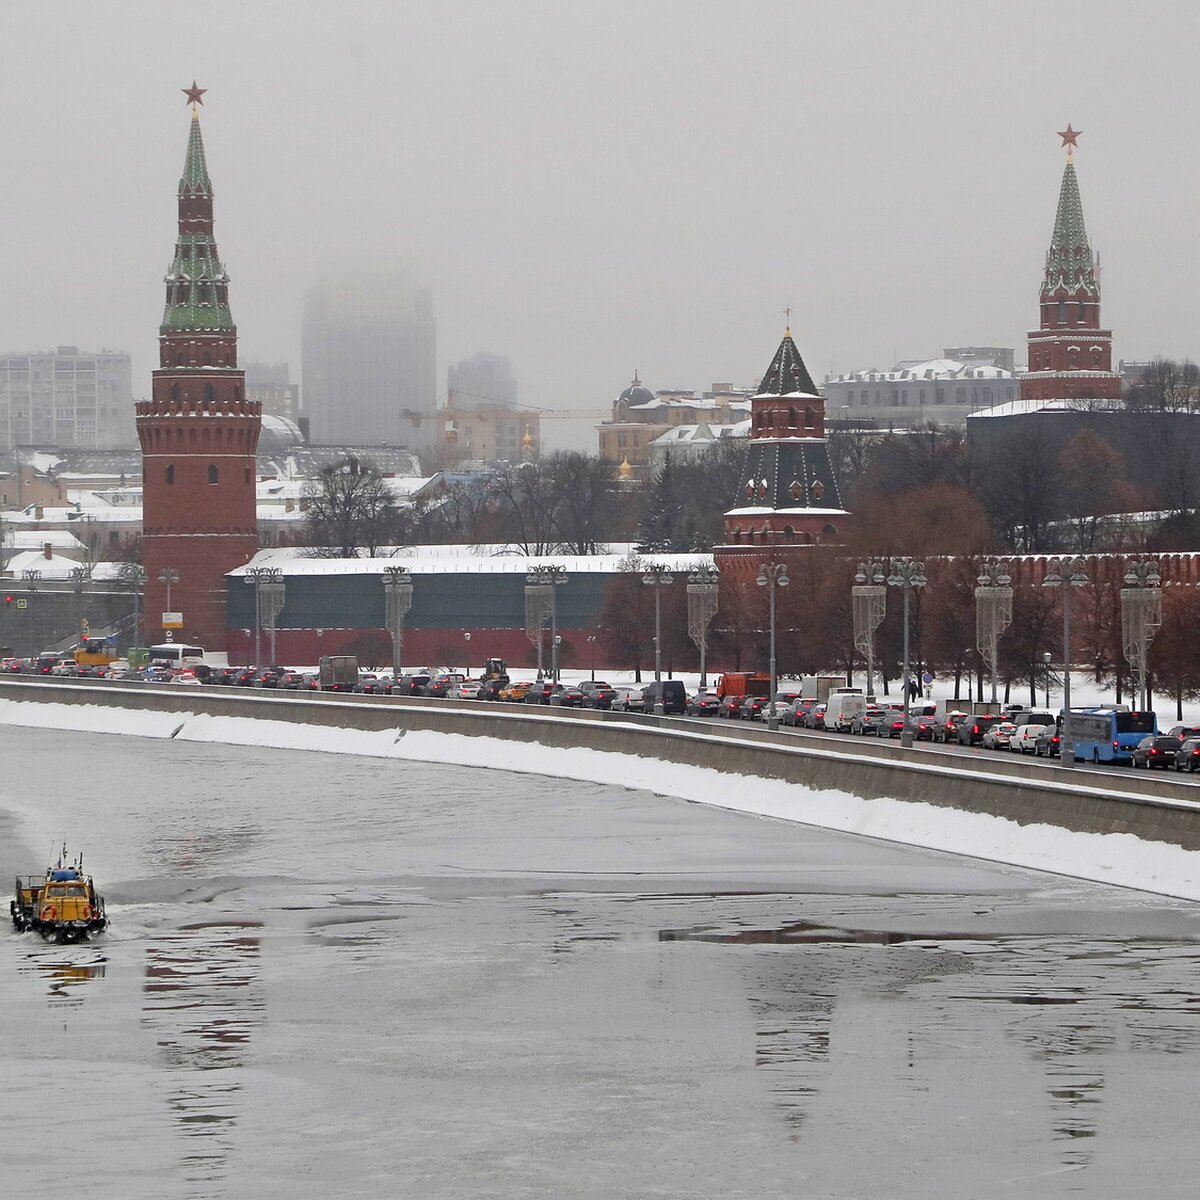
(186, 679)
(1024, 740)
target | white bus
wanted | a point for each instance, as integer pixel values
(176, 654)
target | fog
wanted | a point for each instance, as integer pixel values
(594, 189)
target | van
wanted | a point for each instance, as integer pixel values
(841, 706)
(669, 692)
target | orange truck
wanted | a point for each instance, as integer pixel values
(743, 683)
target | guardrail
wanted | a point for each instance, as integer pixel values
(1022, 791)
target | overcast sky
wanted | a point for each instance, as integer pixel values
(590, 188)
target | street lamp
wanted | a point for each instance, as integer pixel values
(592, 654)
(80, 577)
(467, 639)
(702, 591)
(136, 579)
(993, 613)
(541, 582)
(397, 592)
(1141, 615)
(772, 576)
(907, 573)
(1047, 658)
(1066, 573)
(30, 577)
(869, 598)
(268, 584)
(168, 575)
(658, 576)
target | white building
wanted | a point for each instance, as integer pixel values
(944, 390)
(65, 398)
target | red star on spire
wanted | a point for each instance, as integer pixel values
(194, 93)
(1069, 135)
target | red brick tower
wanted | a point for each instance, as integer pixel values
(199, 433)
(1070, 356)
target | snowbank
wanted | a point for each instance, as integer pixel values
(1120, 859)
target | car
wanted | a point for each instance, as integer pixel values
(269, 677)
(1024, 739)
(1049, 742)
(412, 684)
(869, 721)
(1187, 757)
(753, 708)
(223, 676)
(704, 704)
(1182, 732)
(998, 735)
(186, 679)
(627, 699)
(539, 691)
(291, 681)
(893, 724)
(245, 677)
(947, 728)
(795, 712)
(439, 686)
(492, 688)
(516, 691)
(731, 706)
(923, 727)
(814, 718)
(669, 693)
(971, 733)
(1155, 750)
(567, 695)
(469, 689)
(597, 693)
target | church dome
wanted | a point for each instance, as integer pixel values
(279, 437)
(636, 393)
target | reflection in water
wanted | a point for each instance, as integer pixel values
(65, 976)
(203, 999)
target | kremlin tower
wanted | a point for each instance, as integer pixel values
(788, 496)
(1070, 356)
(198, 433)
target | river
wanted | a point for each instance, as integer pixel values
(331, 976)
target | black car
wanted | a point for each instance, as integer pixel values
(1182, 732)
(412, 684)
(224, 676)
(539, 692)
(704, 704)
(1187, 758)
(1155, 750)
(245, 677)
(1049, 742)
(670, 693)
(439, 685)
(269, 677)
(970, 733)
(291, 681)
(567, 696)
(597, 693)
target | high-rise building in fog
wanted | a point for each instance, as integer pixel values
(481, 381)
(370, 360)
(66, 398)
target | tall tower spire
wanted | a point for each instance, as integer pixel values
(198, 433)
(1070, 356)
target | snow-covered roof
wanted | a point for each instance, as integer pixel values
(1016, 408)
(35, 539)
(931, 369)
(293, 563)
(799, 511)
(58, 566)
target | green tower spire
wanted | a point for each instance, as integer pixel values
(1070, 264)
(195, 169)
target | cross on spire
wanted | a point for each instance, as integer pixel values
(787, 312)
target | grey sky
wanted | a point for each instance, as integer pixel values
(594, 188)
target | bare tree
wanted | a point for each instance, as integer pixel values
(350, 508)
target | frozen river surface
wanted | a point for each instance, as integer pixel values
(331, 976)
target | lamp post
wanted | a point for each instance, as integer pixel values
(702, 590)
(772, 576)
(137, 580)
(869, 599)
(543, 580)
(993, 613)
(168, 575)
(397, 593)
(467, 652)
(1141, 615)
(1066, 573)
(268, 583)
(592, 654)
(79, 579)
(1047, 658)
(907, 573)
(658, 576)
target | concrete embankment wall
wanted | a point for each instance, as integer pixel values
(1152, 809)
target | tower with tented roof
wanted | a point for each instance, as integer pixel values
(198, 432)
(1070, 356)
(788, 495)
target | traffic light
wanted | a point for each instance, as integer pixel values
(8, 601)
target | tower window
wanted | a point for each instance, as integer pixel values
(792, 417)
(171, 474)
(1082, 310)
(212, 474)
(1062, 312)
(208, 391)
(810, 420)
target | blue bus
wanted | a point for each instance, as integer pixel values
(1109, 734)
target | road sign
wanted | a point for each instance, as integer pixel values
(172, 620)
(927, 679)
(84, 626)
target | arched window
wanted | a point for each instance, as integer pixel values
(796, 490)
(208, 391)
(171, 474)
(789, 534)
(179, 359)
(810, 420)
(207, 359)
(829, 531)
(817, 489)
(792, 417)
(174, 391)
(212, 474)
